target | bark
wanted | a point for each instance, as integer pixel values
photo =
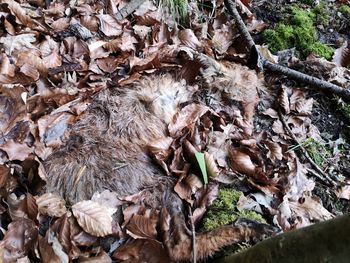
(328, 241)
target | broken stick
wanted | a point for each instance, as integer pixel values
(315, 83)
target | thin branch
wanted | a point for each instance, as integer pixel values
(321, 175)
(318, 84)
(194, 251)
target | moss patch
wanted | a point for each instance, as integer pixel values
(299, 30)
(344, 9)
(223, 211)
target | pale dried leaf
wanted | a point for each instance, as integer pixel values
(275, 150)
(93, 218)
(16, 151)
(189, 39)
(283, 100)
(51, 204)
(341, 55)
(211, 166)
(109, 25)
(18, 42)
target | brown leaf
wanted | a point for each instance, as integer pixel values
(84, 239)
(186, 117)
(93, 218)
(51, 204)
(52, 128)
(241, 162)
(222, 38)
(341, 55)
(211, 166)
(30, 71)
(109, 25)
(344, 191)
(16, 151)
(189, 39)
(18, 42)
(275, 150)
(18, 240)
(283, 100)
(4, 175)
(142, 227)
(101, 257)
(161, 150)
(6, 67)
(51, 249)
(19, 13)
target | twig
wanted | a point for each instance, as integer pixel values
(194, 251)
(320, 173)
(318, 84)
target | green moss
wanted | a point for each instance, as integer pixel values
(344, 9)
(227, 199)
(252, 215)
(322, 14)
(298, 30)
(321, 49)
(223, 210)
(345, 108)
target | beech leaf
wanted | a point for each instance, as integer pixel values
(93, 218)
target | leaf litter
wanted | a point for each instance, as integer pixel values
(55, 59)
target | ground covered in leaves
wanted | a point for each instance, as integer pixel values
(269, 150)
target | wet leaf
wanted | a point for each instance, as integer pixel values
(93, 218)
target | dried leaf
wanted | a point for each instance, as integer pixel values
(51, 204)
(275, 150)
(189, 39)
(16, 151)
(18, 42)
(93, 218)
(18, 240)
(341, 55)
(109, 25)
(211, 166)
(241, 162)
(186, 117)
(142, 227)
(284, 100)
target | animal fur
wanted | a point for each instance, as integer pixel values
(106, 148)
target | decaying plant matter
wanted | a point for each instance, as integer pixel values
(133, 131)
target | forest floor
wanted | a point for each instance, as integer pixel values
(267, 159)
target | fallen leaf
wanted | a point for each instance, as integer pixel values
(142, 227)
(18, 42)
(51, 204)
(19, 239)
(93, 218)
(341, 55)
(109, 25)
(16, 151)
